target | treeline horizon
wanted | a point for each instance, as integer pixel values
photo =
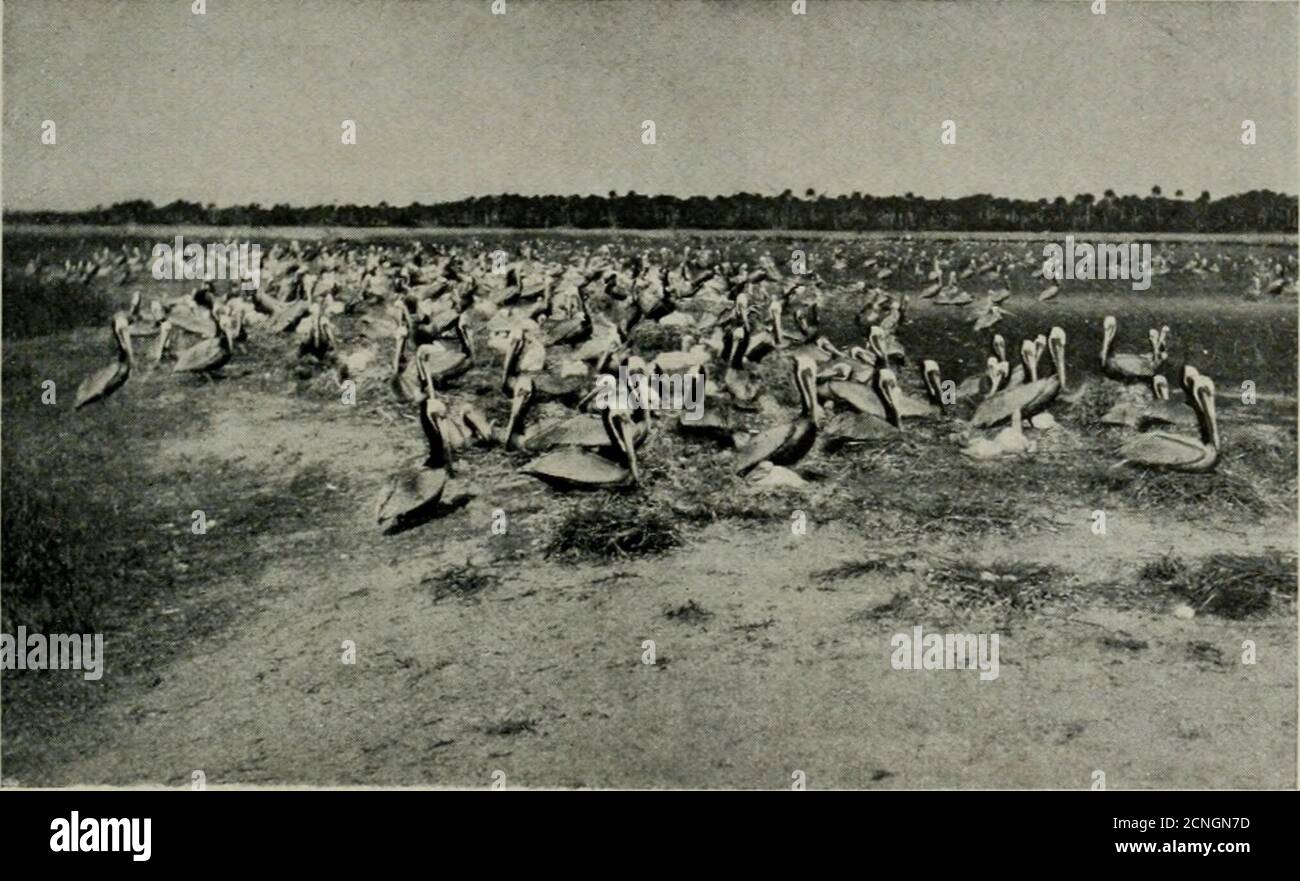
(1262, 211)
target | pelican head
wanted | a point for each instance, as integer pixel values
(857, 353)
(1108, 328)
(1190, 375)
(876, 342)
(1056, 346)
(999, 346)
(519, 402)
(435, 411)
(1160, 387)
(930, 373)
(1027, 358)
(618, 426)
(463, 331)
(805, 380)
(122, 333)
(739, 342)
(514, 350)
(828, 347)
(887, 388)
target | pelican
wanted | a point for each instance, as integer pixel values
(1160, 451)
(983, 384)
(405, 381)
(103, 382)
(581, 469)
(787, 444)
(857, 427)
(1008, 440)
(1125, 366)
(572, 331)
(546, 386)
(442, 364)
(1163, 411)
(210, 354)
(737, 379)
(412, 497)
(1029, 397)
(719, 421)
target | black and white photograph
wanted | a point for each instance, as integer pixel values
(649, 395)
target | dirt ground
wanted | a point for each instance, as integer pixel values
(764, 665)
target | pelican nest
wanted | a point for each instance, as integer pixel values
(1234, 586)
(603, 527)
(1223, 490)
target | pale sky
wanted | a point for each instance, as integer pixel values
(246, 102)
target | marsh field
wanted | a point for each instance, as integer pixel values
(523, 650)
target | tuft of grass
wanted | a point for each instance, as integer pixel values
(857, 568)
(1011, 586)
(612, 528)
(1233, 586)
(689, 613)
(461, 582)
(509, 727)
(1220, 490)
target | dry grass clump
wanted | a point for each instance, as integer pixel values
(1223, 491)
(1010, 585)
(1233, 586)
(603, 527)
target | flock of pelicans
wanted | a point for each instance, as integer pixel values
(564, 330)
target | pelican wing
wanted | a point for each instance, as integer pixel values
(575, 469)
(411, 499)
(1161, 450)
(583, 430)
(858, 396)
(1028, 397)
(201, 356)
(288, 317)
(101, 384)
(780, 445)
(848, 428)
(1167, 413)
(442, 363)
(1131, 366)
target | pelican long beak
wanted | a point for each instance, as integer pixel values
(518, 404)
(1028, 360)
(806, 372)
(777, 332)
(1210, 424)
(888, 387)
(441, 425)
(1056, 345)
(514, 350)
(930, 373)
(399, 346)
(624, 430)
(1107, 336)
(122, 330)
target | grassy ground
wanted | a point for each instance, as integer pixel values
(524, 651)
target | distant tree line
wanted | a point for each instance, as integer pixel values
(1256, 211)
